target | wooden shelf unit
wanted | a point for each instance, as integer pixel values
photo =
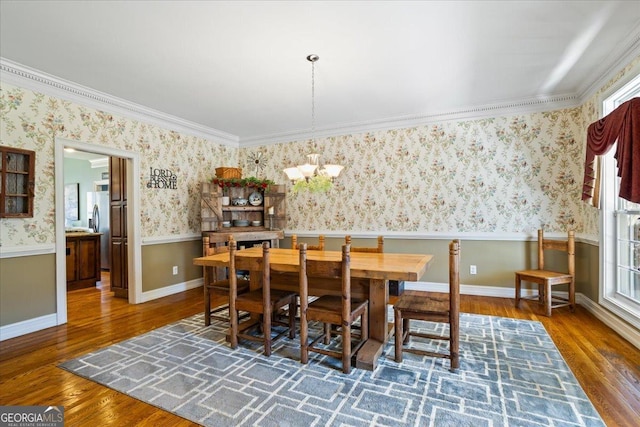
(213, 213)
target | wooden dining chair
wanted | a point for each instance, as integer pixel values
(216, 284)
(318, 247)
(432, 307)
(330, 310)
(376, 249)
(546, 279)
(262, 302)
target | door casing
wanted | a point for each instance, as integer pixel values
(133, 220)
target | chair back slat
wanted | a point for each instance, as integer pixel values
(375, 250)
(318, 247)
(334, 270)
(324, 269)
(567, 246)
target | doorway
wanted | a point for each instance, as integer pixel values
(87, 174)
(134, 257)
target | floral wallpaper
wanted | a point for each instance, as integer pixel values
(31, 120)
(502, 174)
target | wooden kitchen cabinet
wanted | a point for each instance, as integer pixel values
(83, 260)
(118, 242)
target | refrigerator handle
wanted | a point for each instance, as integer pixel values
(96, 218)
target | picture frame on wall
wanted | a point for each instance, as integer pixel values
(72, 202)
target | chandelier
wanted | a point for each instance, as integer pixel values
(311, 175)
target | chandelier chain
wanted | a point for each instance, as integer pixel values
(313, 102)
(310, 175)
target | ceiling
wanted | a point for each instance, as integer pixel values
(239, 67)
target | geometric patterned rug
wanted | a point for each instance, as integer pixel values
(511, 374)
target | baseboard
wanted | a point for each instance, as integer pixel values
(625, 330)
(27, 326)
(483, 291)
(170, 290)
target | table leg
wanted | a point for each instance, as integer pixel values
(207, 296)
(369, 353)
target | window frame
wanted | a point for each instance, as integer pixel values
(609, 297)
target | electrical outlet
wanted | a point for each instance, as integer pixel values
(175, 270)
(473, 269)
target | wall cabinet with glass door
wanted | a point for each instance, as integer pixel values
(17, 182)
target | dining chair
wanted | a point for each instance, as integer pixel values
(216, 283)
(376, 249)
(330, 310)
(262, 303)
(318, 247)
(432, 307)
(546, 279)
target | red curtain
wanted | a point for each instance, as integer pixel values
(622, 125)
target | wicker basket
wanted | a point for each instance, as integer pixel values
(228, 173)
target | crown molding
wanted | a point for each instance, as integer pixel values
(506, 108)
(20, 75)
(622, 55)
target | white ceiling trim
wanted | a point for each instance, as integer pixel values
(409, 121)
(624, 54)
(20, 75)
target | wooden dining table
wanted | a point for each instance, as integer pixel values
(370, 273)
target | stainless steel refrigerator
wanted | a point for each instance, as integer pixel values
(98, 206)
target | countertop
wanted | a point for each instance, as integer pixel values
(81, 233)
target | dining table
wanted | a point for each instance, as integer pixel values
(370, 274)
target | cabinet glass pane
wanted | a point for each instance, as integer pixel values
(17, 184)
(15, 205)
(17, 162)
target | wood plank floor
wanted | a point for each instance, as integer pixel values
(606, 365)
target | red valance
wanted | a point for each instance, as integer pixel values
(622, 125)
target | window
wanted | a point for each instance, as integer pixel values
(17, 180)
(620, 230)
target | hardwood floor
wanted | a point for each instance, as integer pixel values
(606, 365)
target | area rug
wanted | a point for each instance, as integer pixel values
(511, 374)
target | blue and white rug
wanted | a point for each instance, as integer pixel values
(511, 374)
